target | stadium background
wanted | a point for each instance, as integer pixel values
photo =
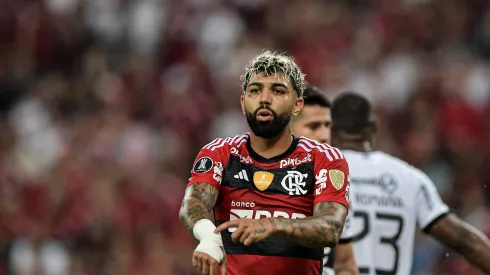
(105, 103)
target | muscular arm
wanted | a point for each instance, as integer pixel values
(464, 239)
(344, 262)
(199, 200)
(321, 230)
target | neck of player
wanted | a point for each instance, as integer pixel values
(271, 147)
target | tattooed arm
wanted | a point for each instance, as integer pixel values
(199, 200)
(209, 255)
(464, 239)
(321, 230)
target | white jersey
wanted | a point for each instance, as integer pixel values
(389, 200)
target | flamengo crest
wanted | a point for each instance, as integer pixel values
(294, 183)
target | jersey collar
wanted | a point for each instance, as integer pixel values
(277, 158)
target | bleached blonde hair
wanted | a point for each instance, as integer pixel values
(270, 63)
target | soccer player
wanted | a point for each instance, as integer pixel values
(278, 199)
(390, 199)
(314, 122)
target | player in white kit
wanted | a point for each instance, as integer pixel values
(314, 122)
(390, 199)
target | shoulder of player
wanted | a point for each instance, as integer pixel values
(406, 168)
(321, 150)
(225, 143)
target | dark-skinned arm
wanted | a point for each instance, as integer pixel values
(464, 239)
(344, 262)
(323, 229)
(199, 200)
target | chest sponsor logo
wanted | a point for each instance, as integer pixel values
(259, 214)
(246, 160)
(294, 161)
(294, 182)
(203, 165)
(263, 179)
(337, 178)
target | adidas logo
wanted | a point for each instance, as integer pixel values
(242, 175)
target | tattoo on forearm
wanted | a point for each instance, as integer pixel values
(262, 228)
(198, 200)
(207, 193)
(345, 270)
(323, 229)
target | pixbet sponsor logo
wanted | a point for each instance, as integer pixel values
(246, 160)
(260, 214)
(294, 162)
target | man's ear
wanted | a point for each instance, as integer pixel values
(242, 102)
(298, 105)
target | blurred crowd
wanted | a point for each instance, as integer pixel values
(105, 103)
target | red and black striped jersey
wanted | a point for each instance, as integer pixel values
(288, 186)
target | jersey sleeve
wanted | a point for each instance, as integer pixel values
(430, 206)
(209, 165)
(332, 181)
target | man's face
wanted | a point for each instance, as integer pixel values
(269, 103)
(314, 122)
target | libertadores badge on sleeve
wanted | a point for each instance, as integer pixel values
(203, 165)
(337, 178)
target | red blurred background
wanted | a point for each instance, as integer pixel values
(105, 103)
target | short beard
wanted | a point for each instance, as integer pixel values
(268, 129)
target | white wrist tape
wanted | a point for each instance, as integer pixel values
(209, 242)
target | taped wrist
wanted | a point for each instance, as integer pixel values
(209, 242)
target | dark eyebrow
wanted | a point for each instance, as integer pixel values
(261, 85)
(314, 123)
(274, 85)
